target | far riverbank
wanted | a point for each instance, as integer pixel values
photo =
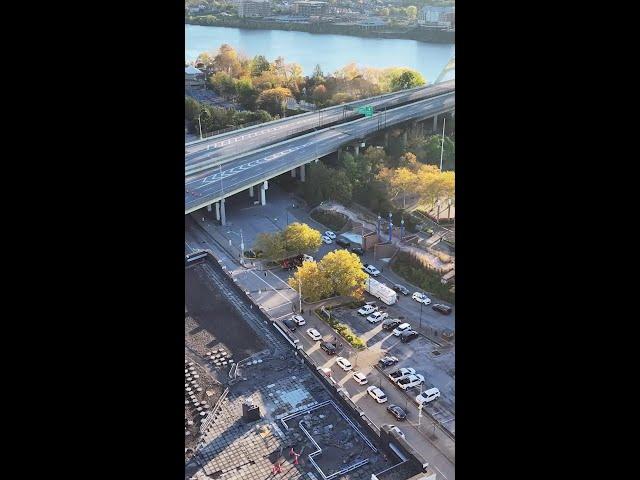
(418, 34)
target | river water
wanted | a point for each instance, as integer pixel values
(330, 51)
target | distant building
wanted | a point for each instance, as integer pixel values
(440, 16)
(193, 77)
(254, 8)
(309, 8)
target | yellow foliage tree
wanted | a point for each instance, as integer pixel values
(311, 281)
(343, 271)
(300, 238)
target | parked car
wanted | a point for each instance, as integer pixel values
(357, 250)
(410, 381)
(444, 309)
(290, 324)
(401, 328)
(330, 234)
(397, 412)
(371, 270)
(343, 243)
(377, 394)
(298, 319)
(328, 347)
(327, 240)
(367, 309)
(428, 396)
(399, 288)
(314, 334)
(391, 323)
(401, 372)
(408, 335)
(344, 364)
(421, 298)
(360, 377)
(376, 317)
(387, 361)
(397, 430)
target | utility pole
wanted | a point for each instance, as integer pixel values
(200, 125)
(241, 248)
(300, 295)
(444, 121)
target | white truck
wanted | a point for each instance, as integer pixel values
(381, 291)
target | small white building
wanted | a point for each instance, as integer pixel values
(193, 77)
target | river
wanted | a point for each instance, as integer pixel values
(330, 51)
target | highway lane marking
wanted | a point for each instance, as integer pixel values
(270, 286)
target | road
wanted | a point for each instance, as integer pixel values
(251, 169)
(249, 139)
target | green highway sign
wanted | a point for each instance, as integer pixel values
(367, 110)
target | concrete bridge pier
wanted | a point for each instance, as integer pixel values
(223, 216)
(251, 191)
(263, 192)
(386, 139)
(302, 172)
(356, 149)
(217, 204)
(404, 139)
(435, 123)
(209, 208)
(293, 173)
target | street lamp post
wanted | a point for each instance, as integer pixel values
(444, 121)
(200, 125)
(300, 295)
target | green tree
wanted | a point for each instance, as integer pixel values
(259, 64)
(191, 108)
(247, 95)
(407, 79)
(343, 270)
(301, 238)
(320, 94)
(412, 12)
(227, 61)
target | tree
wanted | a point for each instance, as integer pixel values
(259, 64)
(412, 12)
(191, 108)
(247, 95)
(320, 94)
(271, 244)
(344, 273)
(227, 61)
(311, 281)
(407, 79)
(301, 238)
(223, 84)
(274, 100)
(318, 76)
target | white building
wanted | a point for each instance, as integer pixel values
(441, 16)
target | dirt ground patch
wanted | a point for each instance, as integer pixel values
(216, 322)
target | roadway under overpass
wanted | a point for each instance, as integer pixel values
(202, 154)
(251, 171)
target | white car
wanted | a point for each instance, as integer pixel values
(326, 240)
(371, 270)
(377, 394)
(410, 381)
(427, 396)
(421, 298)
(397, 430)
(344, 364)
(367, 309)
(360, 377)
(376, 317)
(314, 334)
(299, 319)
(401, 372)
(330, 234)
(401, 328)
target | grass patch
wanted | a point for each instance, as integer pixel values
(334, 221)
(344, 330)
(412, 270)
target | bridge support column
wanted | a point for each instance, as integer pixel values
(209, 208)
(386, 139)
(293, 173)
(302, 173)
(356, 148)
(218, 211)
(251, 191)
(263, 192)
(404, 139)
(223, 216)
(435, 123)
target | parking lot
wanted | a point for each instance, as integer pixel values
(436, 362)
